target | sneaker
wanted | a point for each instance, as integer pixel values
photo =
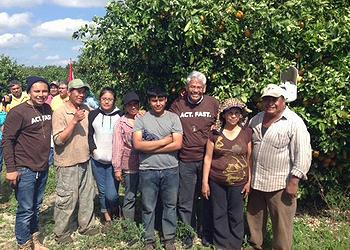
(91, 231)
(37, 245)
(187, 242)
(26, 246)
(66, 239)
(206, 242)
(170, 246)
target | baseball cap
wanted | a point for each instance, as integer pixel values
(55, 83)
(77, 84)
(130, 96)
(273, 90)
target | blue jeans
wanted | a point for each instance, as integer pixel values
(107, 185)
(1, 158)
(166, 183)
(51, 157)
(29, 194)
(131, 185)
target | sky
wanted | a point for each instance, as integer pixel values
(39, 32)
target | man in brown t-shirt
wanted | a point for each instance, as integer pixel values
(197, 113)
(26, 146)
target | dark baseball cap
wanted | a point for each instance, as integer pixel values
(130, 96)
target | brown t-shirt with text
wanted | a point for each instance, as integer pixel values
(196, 120)
(230, 164)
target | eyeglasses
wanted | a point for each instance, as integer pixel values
(107, 99)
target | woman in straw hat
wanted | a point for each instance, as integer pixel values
(227, 173)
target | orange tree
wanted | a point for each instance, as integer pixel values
(241, 46)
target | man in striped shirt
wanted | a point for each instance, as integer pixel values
(281, 157)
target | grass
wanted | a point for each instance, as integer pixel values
(328, 230)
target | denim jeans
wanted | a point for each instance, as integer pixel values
(29, 194)
(1, 158)
(51, 157)
(193, 209)
(165, 183)
(107, 185)
(131, 185)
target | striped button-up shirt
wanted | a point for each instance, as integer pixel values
(284, 150)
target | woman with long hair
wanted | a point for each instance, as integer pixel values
(101, 126)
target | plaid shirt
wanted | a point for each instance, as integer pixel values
(284, 150)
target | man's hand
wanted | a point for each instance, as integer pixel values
(79, 115)
(167, 139)
(13, 178)
(205, 190)
(118, 176)
(292, 186)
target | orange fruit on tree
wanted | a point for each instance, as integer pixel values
(240, 15)
(247, 33)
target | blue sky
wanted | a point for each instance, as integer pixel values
(38, 32)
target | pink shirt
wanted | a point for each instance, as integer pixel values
(124, 156)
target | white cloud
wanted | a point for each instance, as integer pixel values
(39, 46)
(52, 58)
(14, 21)
(9, 40)
(60, 28)
(76, 48)
(62, 62)
(81, 3)
(19, 3)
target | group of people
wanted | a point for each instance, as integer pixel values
(195, 162)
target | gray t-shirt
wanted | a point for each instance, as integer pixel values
(159, 127)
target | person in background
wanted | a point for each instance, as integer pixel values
(3, 115)
(17, 95)
(281, 157)
(197, 113)
(75, 189)
(158, 137)
(101, 127)
(125, 158)
(227, 173)
(53, 92)
(26, 143)
(91, 101)
(62, 97)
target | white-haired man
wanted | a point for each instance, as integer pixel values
(197, 113)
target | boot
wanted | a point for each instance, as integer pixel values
(26, 246)
(36, 242)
